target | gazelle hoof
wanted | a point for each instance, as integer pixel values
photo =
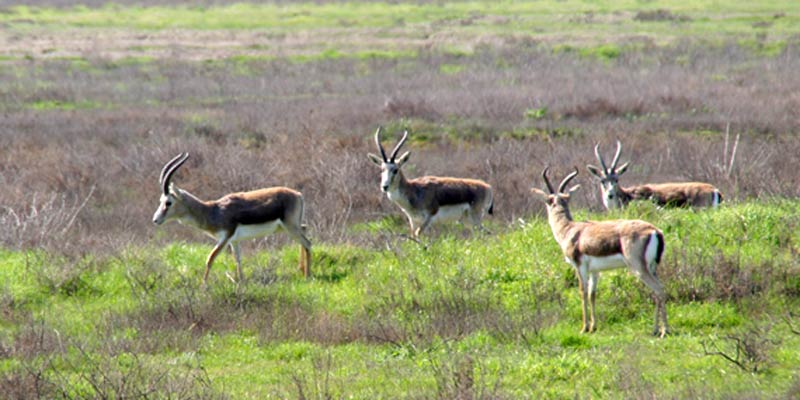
(661, 333)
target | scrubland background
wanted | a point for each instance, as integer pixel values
(97, 302)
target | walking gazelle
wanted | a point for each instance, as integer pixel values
(235, 216)
(429, 199)
(684, 194)
(595, 246)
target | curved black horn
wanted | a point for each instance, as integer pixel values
(600, 158)
(378, 143)
(616, 157)
(169, 169)
(566, 180)
(167, 166)
(399, 145)
(547, 181)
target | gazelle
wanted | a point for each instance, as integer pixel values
(595, 246)
(430, 199)
(687, 194)
(235, 216)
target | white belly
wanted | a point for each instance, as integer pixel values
(450, 213)
(597, 264)
(244, 232)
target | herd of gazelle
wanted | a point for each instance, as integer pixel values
(589, 246)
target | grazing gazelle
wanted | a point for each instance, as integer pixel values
(234, 217)
(595, 246)
(430, 199)
(687, 194)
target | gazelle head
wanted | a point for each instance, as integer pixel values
(390, 167)
(556, 199)
(609, 178)
(170, 205)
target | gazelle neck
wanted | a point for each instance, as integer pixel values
(560, 221)
(399, 190)
(197, 212)
(625, 195)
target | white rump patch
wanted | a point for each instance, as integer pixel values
(652, 249)
(715, 199)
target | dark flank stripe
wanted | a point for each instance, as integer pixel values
(660, 250)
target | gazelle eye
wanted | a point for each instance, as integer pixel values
(168, 204)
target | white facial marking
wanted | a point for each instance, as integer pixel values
(608, 189)
(388, 172)
(164, 203)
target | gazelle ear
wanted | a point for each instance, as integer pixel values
(574, 188)
(402, 159)
(375, 159)
(621, 169)
(540, 193)
(595, 171)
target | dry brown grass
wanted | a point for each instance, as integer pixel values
(86, 178)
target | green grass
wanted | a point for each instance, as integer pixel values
(43, 105)
(406, 322)
(594, 24)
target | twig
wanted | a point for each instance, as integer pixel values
(788, 319)
(717, 352)
(78, 210)
(733, 155)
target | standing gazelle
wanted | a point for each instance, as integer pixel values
(429, 199)
(595, 246)
(686, 194)
(235, 216)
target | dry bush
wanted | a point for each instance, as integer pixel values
(461, 377)
(320, 385)
(130, 376)
(660, 15)
(174, 318)
(85, 374)
(49, 222)
(748, 349)
(36, 346)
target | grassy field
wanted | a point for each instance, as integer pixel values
(98, 303)
(481, 317)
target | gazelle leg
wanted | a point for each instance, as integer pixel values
(411, 227)
(582, 283)
(660, 299)
(211, 257)
(237, 254)
(305, 250)
(475, 216)
(423, 226)
(592, 289)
